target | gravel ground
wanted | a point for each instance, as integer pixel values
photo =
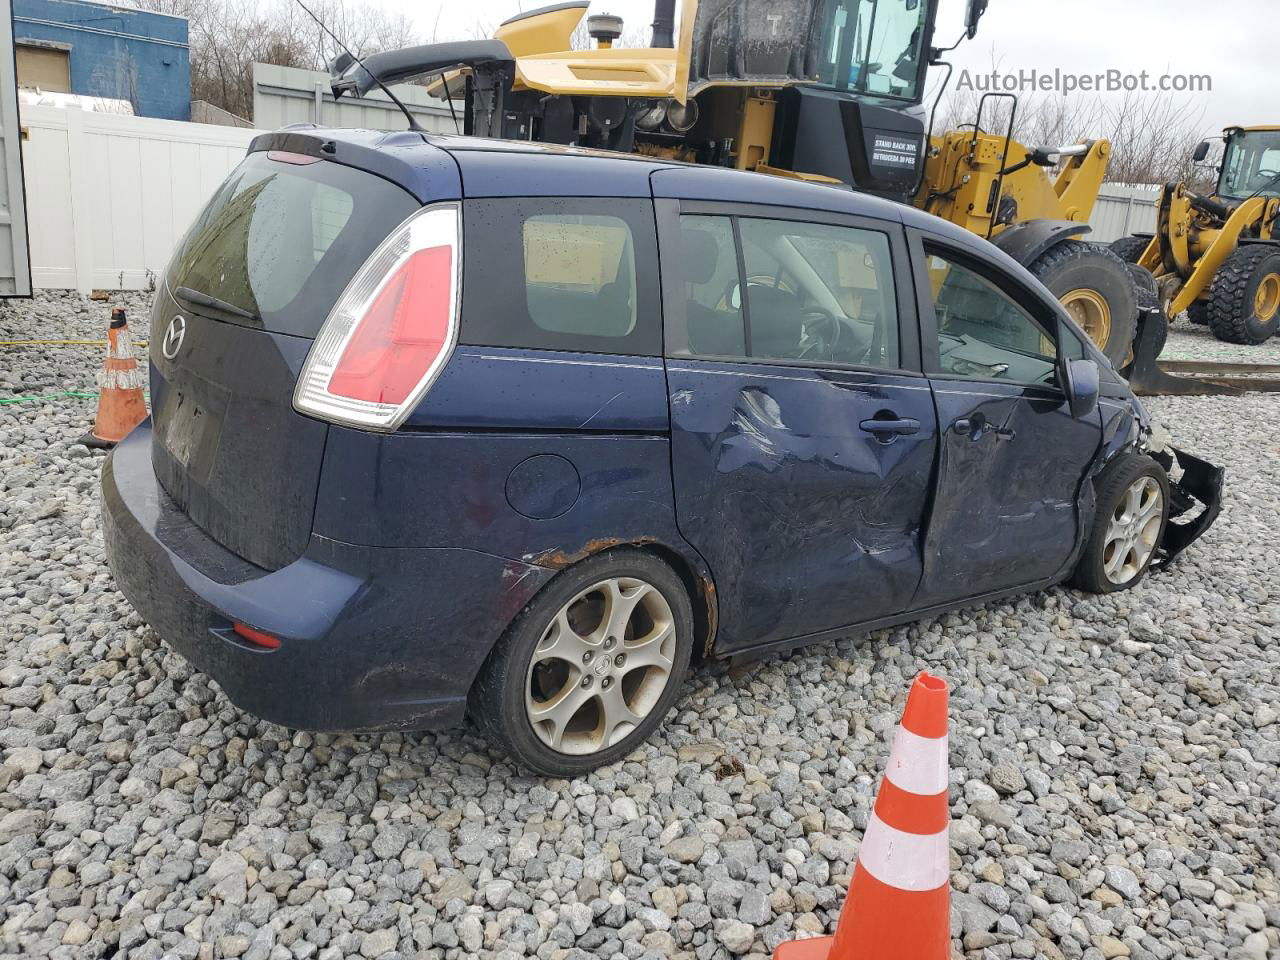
(1190, 342)
(1114, 764)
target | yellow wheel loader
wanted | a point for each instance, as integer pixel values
(821, 90)
(1218, 257)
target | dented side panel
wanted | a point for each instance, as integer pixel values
(1006, 513)
(807, 521)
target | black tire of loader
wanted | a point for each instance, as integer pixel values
(1198, 313)
(1231, 299)
(1075, 265)
(1130, 249)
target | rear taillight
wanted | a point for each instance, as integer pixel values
(392, 329)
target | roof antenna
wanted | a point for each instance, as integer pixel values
(413, 124)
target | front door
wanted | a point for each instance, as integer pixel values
(1012, 457)
(802, 433)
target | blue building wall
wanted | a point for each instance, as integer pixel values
(116, 52)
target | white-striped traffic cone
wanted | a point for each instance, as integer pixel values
(899, 902)
(120, 384)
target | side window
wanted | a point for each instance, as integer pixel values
(1071, 348)
(983, 332)
(560, 274)
(712, 303)
(579, 272)
(819, 293)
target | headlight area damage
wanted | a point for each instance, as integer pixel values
(1195, 495)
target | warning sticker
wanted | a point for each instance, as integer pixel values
(894, 151)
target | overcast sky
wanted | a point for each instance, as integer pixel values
(1082, 36)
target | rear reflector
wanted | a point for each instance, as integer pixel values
(256, 637)
(392, 330)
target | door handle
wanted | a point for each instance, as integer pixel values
(887, 430)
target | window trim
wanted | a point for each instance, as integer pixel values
(675, 320)
(920, 244)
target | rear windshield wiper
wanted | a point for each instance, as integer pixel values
(204, 300)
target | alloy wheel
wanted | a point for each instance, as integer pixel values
(1133, 531)
(601, 665)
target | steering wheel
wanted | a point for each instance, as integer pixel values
(813, 342)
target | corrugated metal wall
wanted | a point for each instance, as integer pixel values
(285, 95)
(1123, 210)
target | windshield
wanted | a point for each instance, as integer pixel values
(872, 46)
(1251, 166)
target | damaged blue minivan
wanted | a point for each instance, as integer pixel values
(446, 428)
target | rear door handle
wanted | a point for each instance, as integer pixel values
(886, 430)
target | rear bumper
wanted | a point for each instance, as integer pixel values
(372, 638)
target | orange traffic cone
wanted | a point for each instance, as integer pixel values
(899, 902)
(120, 383)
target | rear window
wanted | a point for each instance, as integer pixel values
(560, 274)
(281, 240)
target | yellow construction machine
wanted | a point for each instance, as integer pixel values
(1218, 257)
(820, 90)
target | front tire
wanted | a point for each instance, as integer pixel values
(590, 667)
(1132, 510)
(1244, 302)
(1095, 287)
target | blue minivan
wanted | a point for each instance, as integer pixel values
(448, 428)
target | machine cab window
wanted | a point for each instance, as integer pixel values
(1251, 165)
(870, 46)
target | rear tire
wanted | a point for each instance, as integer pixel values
(1132, 510)
(1244, 302)
(1095, 287)
(553, 694)
(1130, 249)
(1198, 313)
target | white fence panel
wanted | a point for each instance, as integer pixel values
(110, 196)
(1123, 210)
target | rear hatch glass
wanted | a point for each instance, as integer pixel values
(280, 239)
(253, 282)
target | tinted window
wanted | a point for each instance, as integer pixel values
(819, 293)
(714, 309)
(983, 332)
(281, 240)
(579, 274)
(560, 274)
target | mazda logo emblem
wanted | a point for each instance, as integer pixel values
(172, 342)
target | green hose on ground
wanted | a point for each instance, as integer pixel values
(79, 395)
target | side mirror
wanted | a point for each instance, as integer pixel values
(1082, 387)
(1202, 151)
(973, 13)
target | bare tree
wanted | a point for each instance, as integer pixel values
(228, 36)
(1152, 135)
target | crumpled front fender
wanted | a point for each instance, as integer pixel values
(1200, 484)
